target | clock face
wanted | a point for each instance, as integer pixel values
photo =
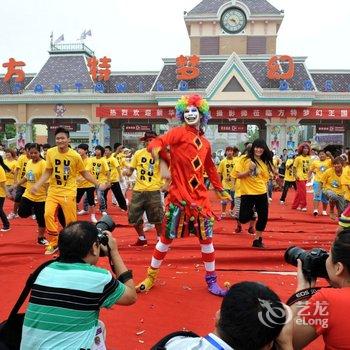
(233, 20)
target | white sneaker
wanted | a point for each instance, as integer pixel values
(304, 209)
(324, 213)
(33, 217)
(281, 202)
(148, 227)
(104, 213)
(5, 229)
(315, 212)
(82, 212)
(270, 199)
(93, 218)
(11, 216)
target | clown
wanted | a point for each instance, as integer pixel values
(187, 204)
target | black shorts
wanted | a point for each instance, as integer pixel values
(19, 193)
(27, 208)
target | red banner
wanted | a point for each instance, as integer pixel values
(329, 129)
(137, 128)
(135, 112)
(238, 128)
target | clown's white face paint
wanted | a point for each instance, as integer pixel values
(191, 116)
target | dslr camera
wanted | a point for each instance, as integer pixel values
(105, 224)
(314, 261)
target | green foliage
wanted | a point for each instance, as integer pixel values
(10, 131)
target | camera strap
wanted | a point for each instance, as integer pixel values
(303, 294)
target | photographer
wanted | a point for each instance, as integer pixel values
(67, 296)
(325, 312)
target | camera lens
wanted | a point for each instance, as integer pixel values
(292, 254)
(106, 224)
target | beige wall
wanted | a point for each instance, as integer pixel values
(195, 46)
(229, 44)
(8, 111)
(271, 45)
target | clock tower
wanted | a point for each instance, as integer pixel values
(220, 27)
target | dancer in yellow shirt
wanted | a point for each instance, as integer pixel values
(63, 165)
(11, 163)
(34, 203)
(225, 169)
(3, 217)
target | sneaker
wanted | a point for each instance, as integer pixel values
(93, 218)
(232, 213)
(139, 243)
(83, 212)
(11, 216)
(270, 199)
(299, 208)
(304, 209)
(33, 217)
(43, 241)
(324, 213)
(238, 229)
(147, 227)
(104, 213)
(51, 249)
(223, 215)
(282, 202)
(258, 243)
(315, 212)
(5, 229)
(251, 230)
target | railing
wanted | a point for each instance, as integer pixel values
(75, 47)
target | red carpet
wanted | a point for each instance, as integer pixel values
(179, 300)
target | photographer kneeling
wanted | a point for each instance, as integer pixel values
(326, 312)
(67, 296)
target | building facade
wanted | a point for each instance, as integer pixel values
(232, 63)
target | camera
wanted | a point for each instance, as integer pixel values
(314, 261)
(105, 224)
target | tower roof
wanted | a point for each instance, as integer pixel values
(256, 7)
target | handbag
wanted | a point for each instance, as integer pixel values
(11, 329)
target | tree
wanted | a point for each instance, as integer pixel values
(10, 132)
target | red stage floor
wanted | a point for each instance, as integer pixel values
(179, 300)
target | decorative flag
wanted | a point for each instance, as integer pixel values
(59, 39)
(82, 35)
(88, 32)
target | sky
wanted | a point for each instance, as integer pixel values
(137, 34)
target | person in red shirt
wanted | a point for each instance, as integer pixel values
(188, 208)
(325, 313)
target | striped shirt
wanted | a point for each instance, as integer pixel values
(64, 306)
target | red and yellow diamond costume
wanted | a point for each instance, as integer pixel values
(187, 204)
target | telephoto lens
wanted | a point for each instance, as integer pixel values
(105, 224)
(313, 261)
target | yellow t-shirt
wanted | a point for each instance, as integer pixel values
(99, 169)
(65, 170)
(256, 183)
(345, 182)
(10, 176)
(225, 169)
(21, 166)
(289, 174)
(81, 182)
(113, 166)
(2, 182)
(331, 181)
(302, 165)
(318, 167)
(148, 173)
(33, 174)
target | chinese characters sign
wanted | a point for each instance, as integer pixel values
(227, 113)
(274, 70)
(187, 67)
(13, 70)
(99, 69)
